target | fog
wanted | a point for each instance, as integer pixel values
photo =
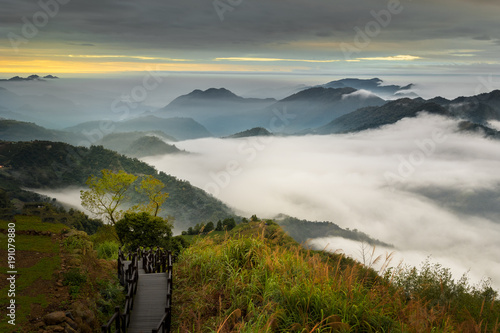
(69, 101)
(417, 184)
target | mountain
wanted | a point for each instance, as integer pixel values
(315, 107)
(303, 230)
(55, 165)
(374, 85)
(256, 131)
(178, 128)
(468, 126)
(139, 144)
(478, 109)
(33, 77)
(219, 110)
(13, 130)
(373, 117)
(150, 146)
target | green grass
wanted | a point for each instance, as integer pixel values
(33, 223)
(256, 280)
(41, 270)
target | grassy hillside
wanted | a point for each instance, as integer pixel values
(257, 279)
(57, 270)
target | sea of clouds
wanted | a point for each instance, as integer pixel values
(418, 184)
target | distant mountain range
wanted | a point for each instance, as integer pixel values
(139, 144)
(477, 110)
(178, 128)
(340, 106)
(33, 77)
(219, 110)
(375, 85)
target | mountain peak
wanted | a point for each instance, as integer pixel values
(213, 93)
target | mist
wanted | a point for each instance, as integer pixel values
(68, 101)
(418, 184)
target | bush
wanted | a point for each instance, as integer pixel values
(143, 229)
(74, 278)
(108, 250)
(112, 295)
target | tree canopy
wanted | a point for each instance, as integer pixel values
(107, 193)
(143, 229)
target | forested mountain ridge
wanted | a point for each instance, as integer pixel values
(55, 165)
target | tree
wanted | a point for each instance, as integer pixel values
(143, 229)
(229, 223)
(219, 226)
(107, 193)
(153, 189)
(209, 227)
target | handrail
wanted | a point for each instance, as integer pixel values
(153, 261)
(129, 278)
(166, 320)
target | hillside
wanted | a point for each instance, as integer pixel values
(373, 117)
(257, 279)
(52, 165)
(315, 107)
(177, 127)
(60, 285)
(256, 131)
(221, 111)
(302, 230)
(139, 144)
(13, 130)
(374, 85)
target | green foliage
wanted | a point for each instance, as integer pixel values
(48, 164)
(153, 189)
(142, 229)
(177, 244)
(112, 294)
(74, 278)
(248, 282)
(435, 285)
(105, 233)
(108, 250)
(302, 230)
(107, 193)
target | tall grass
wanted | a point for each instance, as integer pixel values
(250, 284)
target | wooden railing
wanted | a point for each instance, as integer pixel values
(129, 278)
(153, 261)
(166, 320)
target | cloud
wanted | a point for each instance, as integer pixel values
(262, 28)
(392, 58)
(417, 184)
(365, 94)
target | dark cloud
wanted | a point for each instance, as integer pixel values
(195, 24)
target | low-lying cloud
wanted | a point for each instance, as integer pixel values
(418, 184)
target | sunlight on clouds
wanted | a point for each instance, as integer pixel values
(392, 58)
(272, 59)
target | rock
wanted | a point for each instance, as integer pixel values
(55, 328)
(69, 329)
(81, 311)
(72, 324)
(55, 318)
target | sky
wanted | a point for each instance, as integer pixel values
(112, 37)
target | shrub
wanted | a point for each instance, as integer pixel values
(108, 250)
(74, 278)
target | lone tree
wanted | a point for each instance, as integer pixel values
(143, 229)
(107, 193)
(153, 189)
